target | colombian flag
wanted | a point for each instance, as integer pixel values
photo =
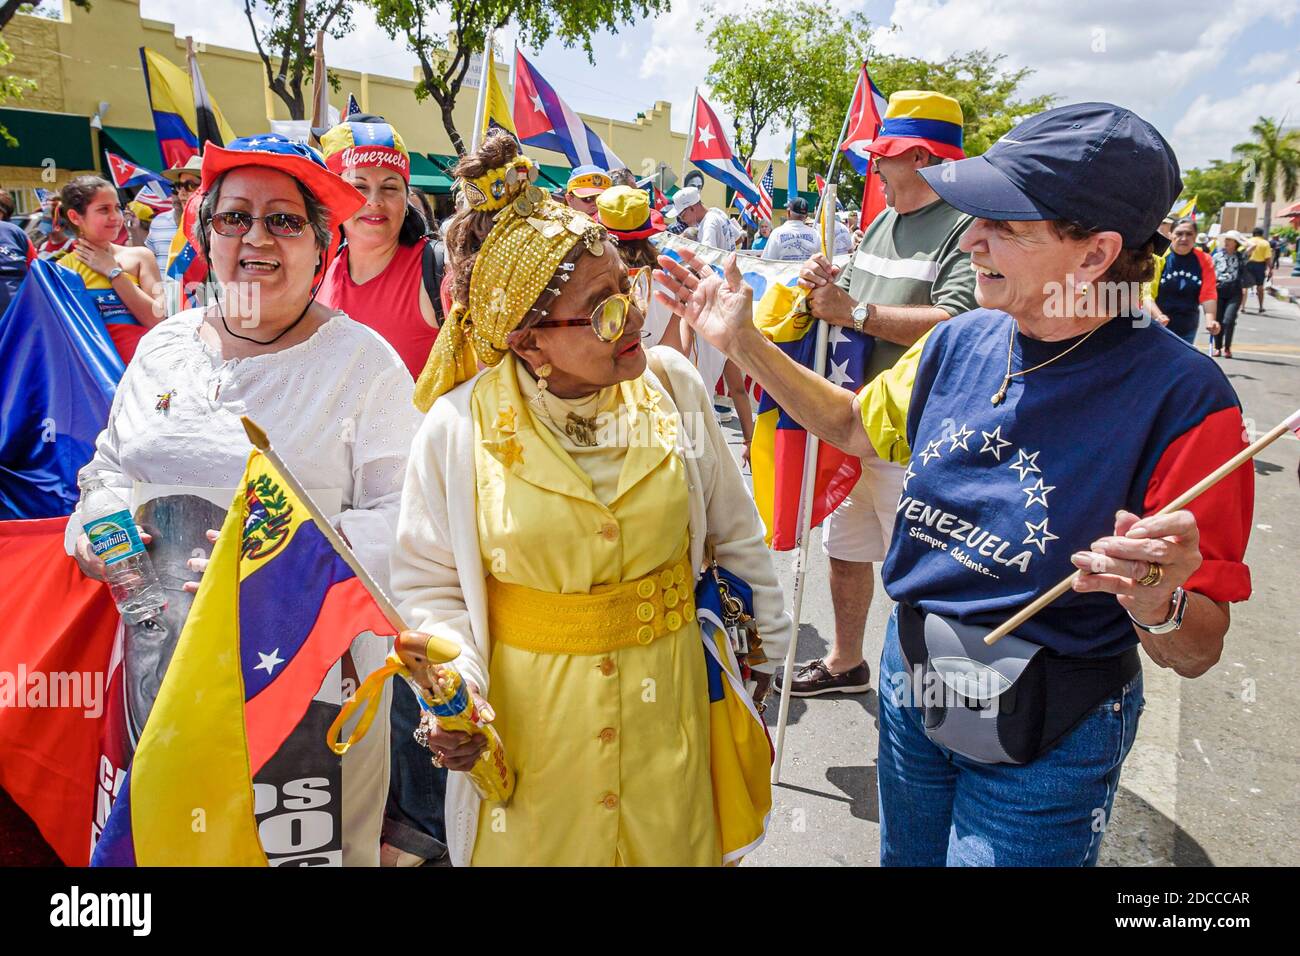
(276, 608)
(175, 119)
(777, 450)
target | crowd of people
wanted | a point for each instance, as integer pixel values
(533, 466)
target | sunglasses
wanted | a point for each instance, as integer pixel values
(186, 186)
(609, 318)
(285, 225)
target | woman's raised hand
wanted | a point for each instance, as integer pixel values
(719, 309)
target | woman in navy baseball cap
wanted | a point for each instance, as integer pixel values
(1041, 434)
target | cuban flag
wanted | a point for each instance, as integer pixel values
(712, 154)
(544, 120)
(865, 116)
(127, 175)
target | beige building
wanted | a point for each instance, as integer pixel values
(87, 64)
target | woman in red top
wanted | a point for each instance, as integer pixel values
(378, 277)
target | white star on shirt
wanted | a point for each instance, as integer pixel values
(538, 107)
(836, 337)
(959, 438)
(1039, 535)
(908, 475)
(706, 136)
(931, 451)
(269, 661)
(1024, 463)
(1038, 492)
(994, 443)
(840, 373)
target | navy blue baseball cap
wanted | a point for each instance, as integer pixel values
(1096, 164)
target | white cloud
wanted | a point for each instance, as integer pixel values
(1212, 125)
(1266, 63)
(1114, 50)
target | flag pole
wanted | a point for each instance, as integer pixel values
(318, 89)
(1292, 423)
(690, 133)
(481, 108)
(807, 487)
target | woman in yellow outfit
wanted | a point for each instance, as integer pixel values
(557, 513)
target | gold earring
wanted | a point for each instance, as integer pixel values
(542, 372)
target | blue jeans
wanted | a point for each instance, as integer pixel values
(938, 808)
(417, 790)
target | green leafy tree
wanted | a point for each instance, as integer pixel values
(772, 64)
(290, 41)
(444, 58)
(16, 87)
(1220, 182)
(990, 97)
(1272, 159)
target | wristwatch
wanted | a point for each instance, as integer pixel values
(114, 272)
(860, 314)
(1178, 607)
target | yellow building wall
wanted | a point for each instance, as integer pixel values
(89, 57)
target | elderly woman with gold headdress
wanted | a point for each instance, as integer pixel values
(559, 506)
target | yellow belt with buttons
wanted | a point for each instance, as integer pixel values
(609, 618)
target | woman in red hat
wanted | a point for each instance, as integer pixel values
(333, 396)
(386, 275)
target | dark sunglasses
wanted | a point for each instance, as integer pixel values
(285, 225)
(609, 318)
(186, 186)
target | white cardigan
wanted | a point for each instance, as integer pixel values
(437, 569)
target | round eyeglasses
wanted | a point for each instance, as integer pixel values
(285, 225)
(609, 318)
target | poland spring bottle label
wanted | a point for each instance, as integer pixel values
(114, 537)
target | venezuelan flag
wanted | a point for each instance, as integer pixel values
(184, 264)
(740, 755)
(777, 451)
(175, 119)
(277, 607)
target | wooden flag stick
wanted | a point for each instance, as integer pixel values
(1191, 494)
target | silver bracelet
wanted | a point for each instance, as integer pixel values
(1178, 607)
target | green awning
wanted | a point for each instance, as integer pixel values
(553, 177)
(428, 175)
(779, 198)
(138, 145)
(61, 137)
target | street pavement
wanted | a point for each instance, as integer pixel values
(1214, 775)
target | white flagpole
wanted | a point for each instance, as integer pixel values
(690, 133)
(481, 107)
(807, 489)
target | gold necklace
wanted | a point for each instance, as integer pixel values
(1006, 381)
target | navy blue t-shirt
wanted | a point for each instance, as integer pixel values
(1179, 294)
(997, 497)
(14, 248)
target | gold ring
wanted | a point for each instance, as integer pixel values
(1155, 574)
(437, 759)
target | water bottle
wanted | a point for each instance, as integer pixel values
(109, 525)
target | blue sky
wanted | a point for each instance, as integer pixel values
(1200, 70)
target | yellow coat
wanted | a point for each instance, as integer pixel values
(439, 580)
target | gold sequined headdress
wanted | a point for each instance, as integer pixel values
(531, 237)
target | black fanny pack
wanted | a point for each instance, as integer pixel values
(1009, 703)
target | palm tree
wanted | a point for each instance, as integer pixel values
(1272, 160)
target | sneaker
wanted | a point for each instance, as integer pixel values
(1218, 354)
(1227, 353)
(815, 678)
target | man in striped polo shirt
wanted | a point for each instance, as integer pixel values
(906, 276)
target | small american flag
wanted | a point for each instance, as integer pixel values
(762, 210)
